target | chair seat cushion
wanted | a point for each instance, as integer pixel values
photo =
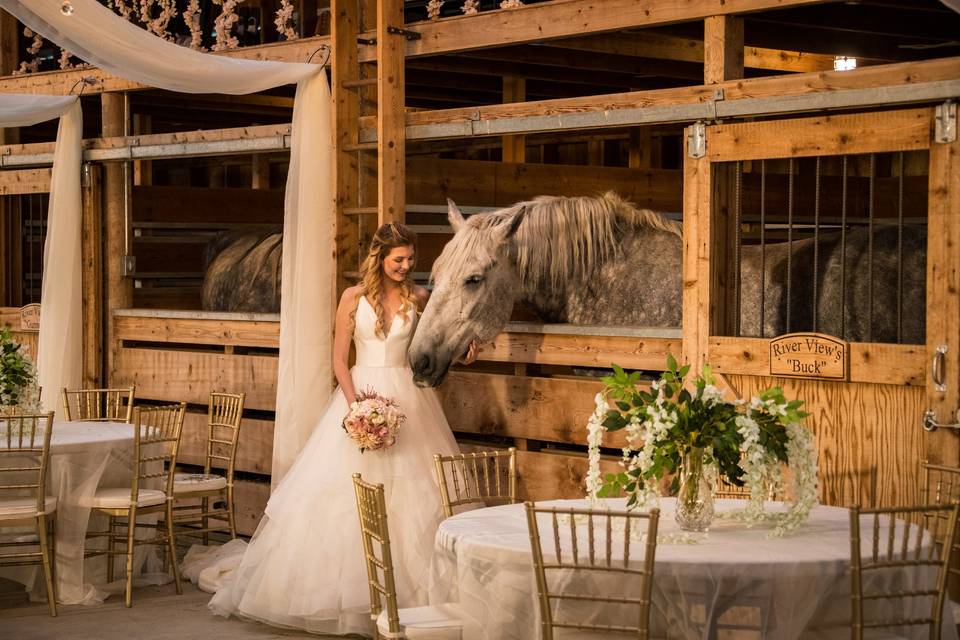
(190, 482)
(436, 622)
(16, 508)
(119, 498)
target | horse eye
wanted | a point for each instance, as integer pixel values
(473, 280)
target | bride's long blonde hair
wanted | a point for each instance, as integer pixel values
(388, 237)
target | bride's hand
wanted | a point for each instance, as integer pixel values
(471, 354)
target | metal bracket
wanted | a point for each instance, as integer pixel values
(945, 119)
(128, 266)
(406, 33)
(86, 180)
(697, 140)
(366, 40)
(718, 96)
(930, 422)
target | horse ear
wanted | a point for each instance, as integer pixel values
(513, 224)
(454, 216)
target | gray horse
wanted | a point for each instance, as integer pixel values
(601, 261)
(243, 271)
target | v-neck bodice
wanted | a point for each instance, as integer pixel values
(374, 351)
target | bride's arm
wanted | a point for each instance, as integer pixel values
(342, 333)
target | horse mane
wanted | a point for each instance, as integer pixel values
(559, 237)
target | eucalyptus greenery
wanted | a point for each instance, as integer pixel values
(674, 417)
(17, 375)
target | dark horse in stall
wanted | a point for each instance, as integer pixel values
(243, 271)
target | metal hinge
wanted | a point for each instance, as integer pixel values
(945, 119)
(406, 33)
(128, 266)
(86, 179)
(697, 140)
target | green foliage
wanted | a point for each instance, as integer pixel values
(16, 370)
(691, 414)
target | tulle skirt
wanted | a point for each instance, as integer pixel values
(304, 567)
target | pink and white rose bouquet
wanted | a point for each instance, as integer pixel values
(373, 421)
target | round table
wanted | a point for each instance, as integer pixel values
(83, 457)
(791, 587)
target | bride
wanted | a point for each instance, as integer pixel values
(304, 565)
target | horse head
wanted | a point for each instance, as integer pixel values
(475, 285)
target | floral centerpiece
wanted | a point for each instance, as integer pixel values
(693, 435)
(18, 378)
(373, 421)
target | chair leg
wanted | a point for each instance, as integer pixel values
(111, 559)
(172, 547)
(204, 508)
(131, 542)
(231, 518)
(47, 568)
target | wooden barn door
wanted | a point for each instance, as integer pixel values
(823, 182)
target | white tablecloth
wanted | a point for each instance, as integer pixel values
(792, 587)
(83, 457)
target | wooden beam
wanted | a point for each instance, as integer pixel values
(697, 202)
(391, 92)
(91, 275)
(514, 147)
(22, 181)
(583, 350)
(722, 49)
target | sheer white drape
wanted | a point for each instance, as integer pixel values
(59, 350)
(100, 37)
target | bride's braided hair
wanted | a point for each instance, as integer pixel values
(387, 237)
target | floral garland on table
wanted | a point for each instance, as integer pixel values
(747, 443)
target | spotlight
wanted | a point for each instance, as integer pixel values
(66, 8)
(843, 63)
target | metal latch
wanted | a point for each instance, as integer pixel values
(697, 140)
(945, 122)
(930, 422)
(128, 266)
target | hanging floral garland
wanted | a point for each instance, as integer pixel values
(65, 59)
(33, 50)
(224, 23)
(165, 11)
(470, 7)
(511, 4)
(284, 21)
(191, 16)
(433, 9)
(122, 7)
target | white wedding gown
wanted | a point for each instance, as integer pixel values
(304, 566)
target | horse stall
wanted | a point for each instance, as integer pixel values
(810, 199)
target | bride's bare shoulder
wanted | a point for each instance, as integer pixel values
(351, 297)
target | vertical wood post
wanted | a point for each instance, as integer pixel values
(9, 40)
(697, 204)
(514, 147)
(643, 155)
(943, 298)
(92, 283)
(118, 289)
(722, 49)
(391, 120)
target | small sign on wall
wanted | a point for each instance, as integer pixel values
(809, 355)
(30, 317)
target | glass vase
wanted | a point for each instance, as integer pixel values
(694, 510)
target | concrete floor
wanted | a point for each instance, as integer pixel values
(158, 613)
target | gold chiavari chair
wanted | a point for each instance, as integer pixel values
(98, 405)
(942, 486)
(24, 456)
(155, 444)
(441, 622)
(588, 565)
(224, 415)
(483, 477)
(902, 538)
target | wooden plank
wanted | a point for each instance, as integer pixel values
(23, 181)
(201, 204)
(249, 500)
(92, 275)
(514, 147)
(589, 351)
(543, 475)
(902, 130)
(190, 375)
(391, 132)
(943, 297)
(697, 198)
(240, 333)
(722, 49)
(253, 452)
(869, 362)
(547, 409)
(868, 437)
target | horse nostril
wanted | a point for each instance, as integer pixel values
(423, 364)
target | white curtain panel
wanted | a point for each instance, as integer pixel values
(100, 37)
(59, 351)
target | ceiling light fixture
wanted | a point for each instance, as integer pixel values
(844, 63)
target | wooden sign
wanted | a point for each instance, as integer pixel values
(809, 355)
(30, 317)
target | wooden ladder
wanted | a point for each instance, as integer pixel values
(364, 85)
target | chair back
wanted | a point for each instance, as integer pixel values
(225, 413)
(917, 538)
(581, 570)
(942, 486)
(25, 455)
(156, 440)
(484, 477)
(98, 405)
(372, 509)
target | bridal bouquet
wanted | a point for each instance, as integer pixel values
(374, 421)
